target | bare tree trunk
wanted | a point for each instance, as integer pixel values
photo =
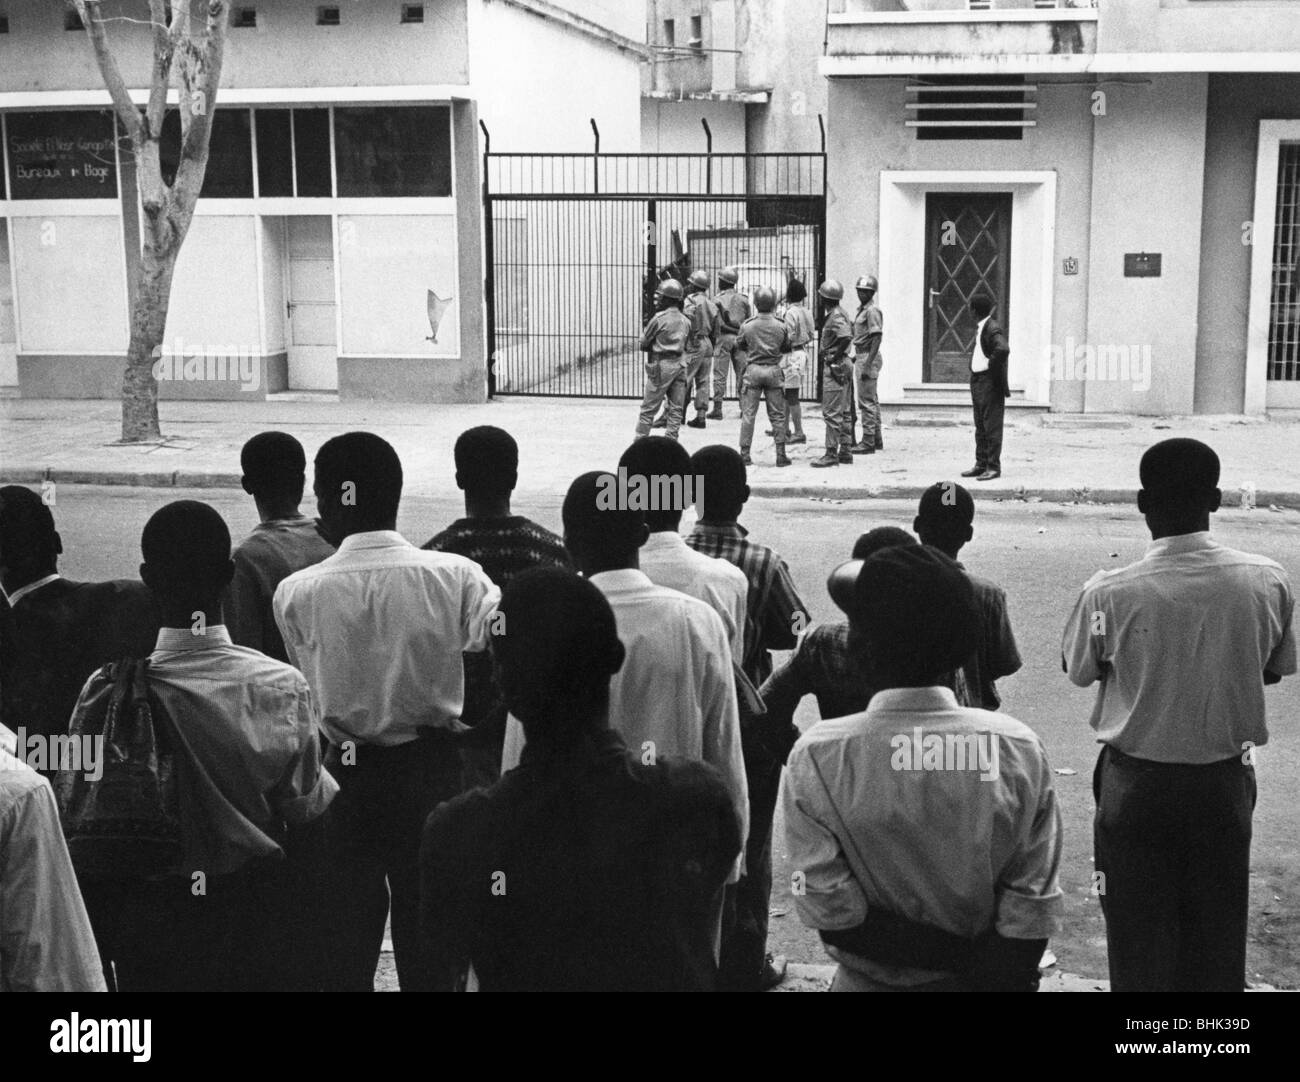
(148, 324)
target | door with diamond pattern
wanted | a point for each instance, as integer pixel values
(968, 251)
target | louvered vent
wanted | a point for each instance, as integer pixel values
(968, 107)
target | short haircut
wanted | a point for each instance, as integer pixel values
(795, 290)
(722, 472)
(946, 506)
(981, 304)
(487, 460)
(558, 648)
(370, 465)
(26, 526)
(186, 540)
(882, 537)
(916, 613)
(590, 519)
(658, 456)
(1179, 471)
(273, 462)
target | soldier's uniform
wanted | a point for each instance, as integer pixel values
(733, 310)
(701, 313)
(664, 342)
(866, 371)
(837, 383)
(764, 340)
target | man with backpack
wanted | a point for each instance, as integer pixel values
(238, 731)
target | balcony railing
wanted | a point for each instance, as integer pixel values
(920, 8)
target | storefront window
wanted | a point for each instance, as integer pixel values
(311, 137)
(230, 154)
(61, 155)
(274, 153)
(393, 151)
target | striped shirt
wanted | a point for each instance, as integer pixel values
(773, 608)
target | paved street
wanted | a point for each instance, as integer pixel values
(1040, 552)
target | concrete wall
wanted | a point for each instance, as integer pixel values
(669, 127)
(286, 48)
(538, 83)
(782, 43)
(1236, 105)
(1148, 172)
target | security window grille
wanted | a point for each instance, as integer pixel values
(967, 107)
(244, 18)
(328, 17)
(412, 13)
(1284, 307)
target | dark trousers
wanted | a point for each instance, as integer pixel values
(745, 916)
(243, 932)
(990, 405)
(374, 856)
(1172, 846)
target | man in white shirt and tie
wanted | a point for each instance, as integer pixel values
(989, 389)
(674, 694)
(378, 629)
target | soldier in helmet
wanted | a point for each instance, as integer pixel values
(733, 309)
(837, 376)
(868, 326)
(664, 340)
(765, 341)
(699, 310)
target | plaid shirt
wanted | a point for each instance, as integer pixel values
(773, 603)
(997, 655)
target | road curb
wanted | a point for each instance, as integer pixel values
(1081, 495)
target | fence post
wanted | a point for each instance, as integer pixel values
(595, 161)
(489, 260)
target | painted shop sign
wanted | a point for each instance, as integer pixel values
(61, 155)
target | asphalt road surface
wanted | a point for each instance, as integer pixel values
(1041, 554)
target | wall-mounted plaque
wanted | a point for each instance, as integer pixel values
(1141, 264)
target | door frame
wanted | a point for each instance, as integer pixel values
(1260, 391)
(903, 272)
(287, 276)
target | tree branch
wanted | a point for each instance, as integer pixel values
(201, 70)
(163, 50)
(93, 20)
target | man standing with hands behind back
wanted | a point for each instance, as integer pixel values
(989, 389)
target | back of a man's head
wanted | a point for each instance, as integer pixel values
(600, 531)
(1179, 477)
(664, 469)
(358, 483)
(186, 550)
(982, 305)
(558, 648)
(28, 540)
(945, 516)
(881, 537)
(721, 471)
(487, 462)
(914, 611)
(274, 466)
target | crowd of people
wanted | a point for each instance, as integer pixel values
(553, 763)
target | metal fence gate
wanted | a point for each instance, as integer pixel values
(577, 242)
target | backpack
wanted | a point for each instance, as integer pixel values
(125, 823)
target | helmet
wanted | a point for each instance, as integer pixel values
(670, 288)
(830, 290)
(699, 279)
(764, 299)
(867, 281)
(729, 276)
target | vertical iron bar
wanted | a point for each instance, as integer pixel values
(489, 281)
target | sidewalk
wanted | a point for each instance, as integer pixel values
(1049, 457)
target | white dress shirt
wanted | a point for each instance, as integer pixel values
(46, 942)
(948, 843)
(378, 629)
(252, 764)
(978, 362)
(674, 694)
(668, 561)
(1180, 641)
